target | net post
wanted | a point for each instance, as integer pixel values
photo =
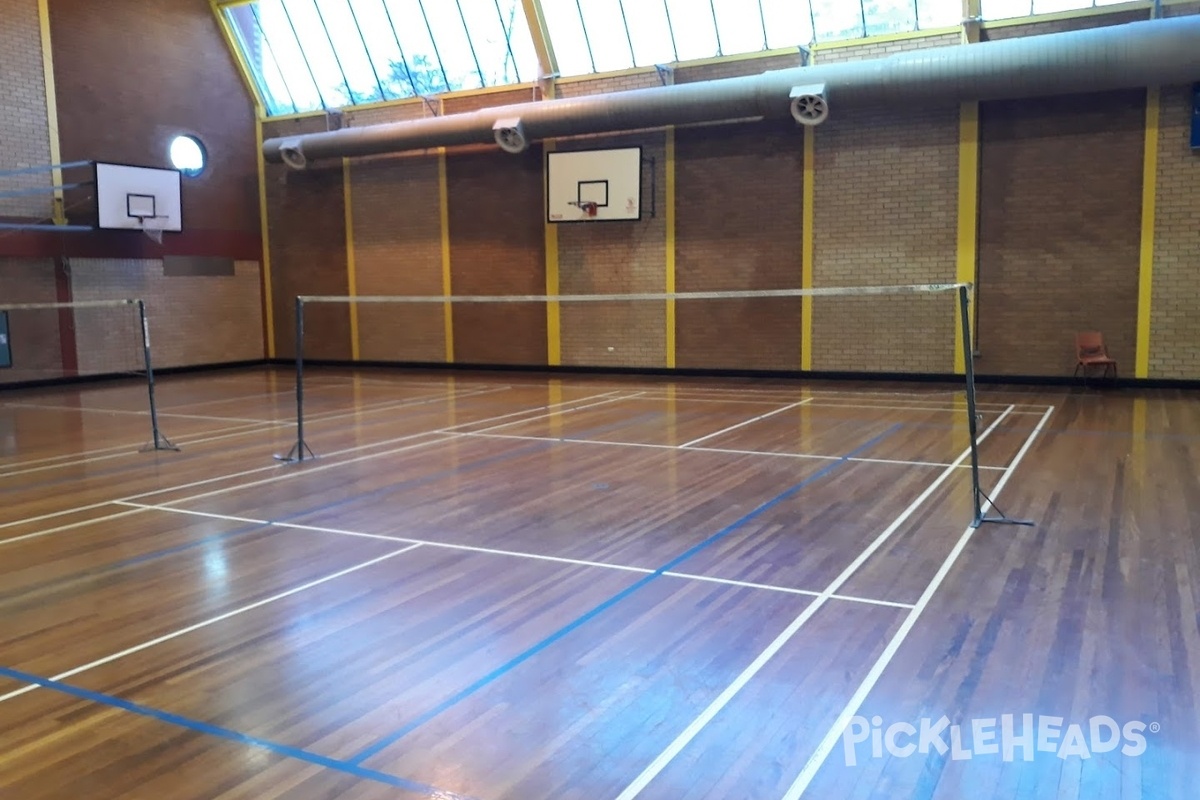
(300, 448)
(977, 493)
(964, 304)
(160, 442)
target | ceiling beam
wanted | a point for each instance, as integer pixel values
(541, 38)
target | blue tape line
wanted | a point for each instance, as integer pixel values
(516, 661)
(230, 735)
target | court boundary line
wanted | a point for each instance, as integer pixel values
(442, 435)
(230, 432)
(99, 662)
(723, 450)
(694, 728)
(744, 423)
(390, 739)
(124, 412)
(825, 747)
(547, 410)
(582, 562)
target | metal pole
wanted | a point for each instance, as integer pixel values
(160, 442)
(300, 448)
(964, 306)
(300, 379)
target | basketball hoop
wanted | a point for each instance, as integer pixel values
(589, 209)
(154, 227)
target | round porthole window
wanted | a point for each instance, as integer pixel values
(187, 155)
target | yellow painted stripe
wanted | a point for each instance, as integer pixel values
(231, 41)
(542, 43)
(1149, 210)
(444, 212)
(807, 247)
(351, 266)
(553, 307)
(670, 266)
(60, 217)
(968, 217)
(268, 301)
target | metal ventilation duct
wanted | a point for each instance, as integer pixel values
(1157, 52)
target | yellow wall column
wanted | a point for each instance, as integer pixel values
(1149, 210)
(351, 269)
(447, 289)
(553, 309)
(968, 218)
(807, 247)
(267, 290)
(669, 281)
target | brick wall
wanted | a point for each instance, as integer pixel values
(1060, 210)
(885, 213)
(732, 181)
(24, 141)
(34, 335)
(858, 52)
(1175, 317)
(1058, 242)
(193, 319)
(307, 225)
(398, 250)
(617, 258)
(1060, 25)
(131, 75)
(616, 83)
(497, 247)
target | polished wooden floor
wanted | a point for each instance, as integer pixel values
(514, 587)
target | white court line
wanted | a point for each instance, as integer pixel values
(254, 426)
(725, 450)
(72, 525)
(511, 553)
(233, 432)
(89, 410)
(62, 676)
(275, 467)
(118, 451)
(827, 744)
(786, 393)
(815, 403)
(698, 724)
(745, 423)
(443, 436)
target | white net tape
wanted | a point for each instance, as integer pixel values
(825, 291)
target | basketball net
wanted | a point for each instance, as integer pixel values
(153, 227)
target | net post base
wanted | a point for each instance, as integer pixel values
(161, 443)
(299, 452)
(1000, 518)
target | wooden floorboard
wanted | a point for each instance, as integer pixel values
(502, 586)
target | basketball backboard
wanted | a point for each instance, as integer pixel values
(138, 198)
(594, 185)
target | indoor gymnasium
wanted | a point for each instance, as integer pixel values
(600, 399)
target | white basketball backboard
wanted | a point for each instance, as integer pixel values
(128, 196)
(606, 182)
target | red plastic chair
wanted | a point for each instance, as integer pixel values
(1090, 351)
